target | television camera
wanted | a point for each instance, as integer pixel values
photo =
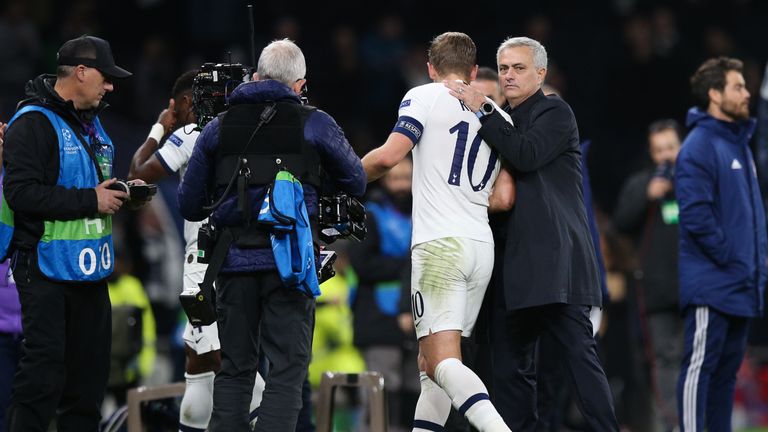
(211, 87)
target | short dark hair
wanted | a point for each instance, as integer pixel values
(64, 71)
(711, 75)
(487, 74)
(453, 52)
(665, 124)
(184, 83)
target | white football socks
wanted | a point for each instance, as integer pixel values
(469, 395)
(433, 406)
(258, 390)
(197, 403)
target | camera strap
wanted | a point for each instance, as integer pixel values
(215, 263)
(90, 152)
(242, 168)
(243, 200)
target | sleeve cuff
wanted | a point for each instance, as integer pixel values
(165, 165)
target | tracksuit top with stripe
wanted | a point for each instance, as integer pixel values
(70, 250)
(722, 219)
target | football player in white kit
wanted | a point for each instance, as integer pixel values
(202, 346)
(454, 174)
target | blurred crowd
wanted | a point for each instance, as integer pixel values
(621, 64)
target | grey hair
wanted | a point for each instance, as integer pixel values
(282, 60)
(539, 52)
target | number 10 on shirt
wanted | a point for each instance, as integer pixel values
(454, 178)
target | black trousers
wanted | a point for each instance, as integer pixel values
(65, 353)
(255, 308)
(514, 336)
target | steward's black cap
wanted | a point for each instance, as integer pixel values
(92, 52)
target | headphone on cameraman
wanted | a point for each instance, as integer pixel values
(303, 93)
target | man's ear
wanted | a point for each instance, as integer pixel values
(298, 86)
(542, 74)
(473, 74)
(432, 71)
(80, 73)
(255, 76)
(715, 96)
(186, 101)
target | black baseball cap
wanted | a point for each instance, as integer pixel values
(92, 52)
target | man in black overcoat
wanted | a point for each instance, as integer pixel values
(545, 274)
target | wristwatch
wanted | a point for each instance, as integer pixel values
(485, 109)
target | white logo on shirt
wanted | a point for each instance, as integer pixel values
(735, 164)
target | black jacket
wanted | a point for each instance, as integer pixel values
(31, 163)
(655, 240)
(548, 256)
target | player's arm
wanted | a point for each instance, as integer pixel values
(380, 160)
(145, 165)
(504, 192)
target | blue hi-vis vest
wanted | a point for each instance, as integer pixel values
(6, 225)
(395, 241)
(284, 211)
(71, 250)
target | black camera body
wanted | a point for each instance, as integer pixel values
(325, 271)
(206, 240)
(136, 192)
(212, 85)
(197, 304)
(341, 216)
(665, 170)
(199, 308)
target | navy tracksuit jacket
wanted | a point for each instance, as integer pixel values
(722, 263)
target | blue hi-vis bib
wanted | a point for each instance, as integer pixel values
(394, 241)
(6, 225)
(284, 211)
(71, 250)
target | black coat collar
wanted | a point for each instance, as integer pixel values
(524, 108)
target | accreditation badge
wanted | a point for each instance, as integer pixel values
(670, 212)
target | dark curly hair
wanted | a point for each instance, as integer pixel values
(711, 75)
(183, 83)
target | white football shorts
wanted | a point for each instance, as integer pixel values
(449, 278)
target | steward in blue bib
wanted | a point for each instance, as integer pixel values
(77, 249)
(61, 249)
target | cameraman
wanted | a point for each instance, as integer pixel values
(647, 211)
(152, 162)
(252, 304)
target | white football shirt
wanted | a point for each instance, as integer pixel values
(174, 155)
(453, 168)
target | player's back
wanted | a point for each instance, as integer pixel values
(453, 169)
